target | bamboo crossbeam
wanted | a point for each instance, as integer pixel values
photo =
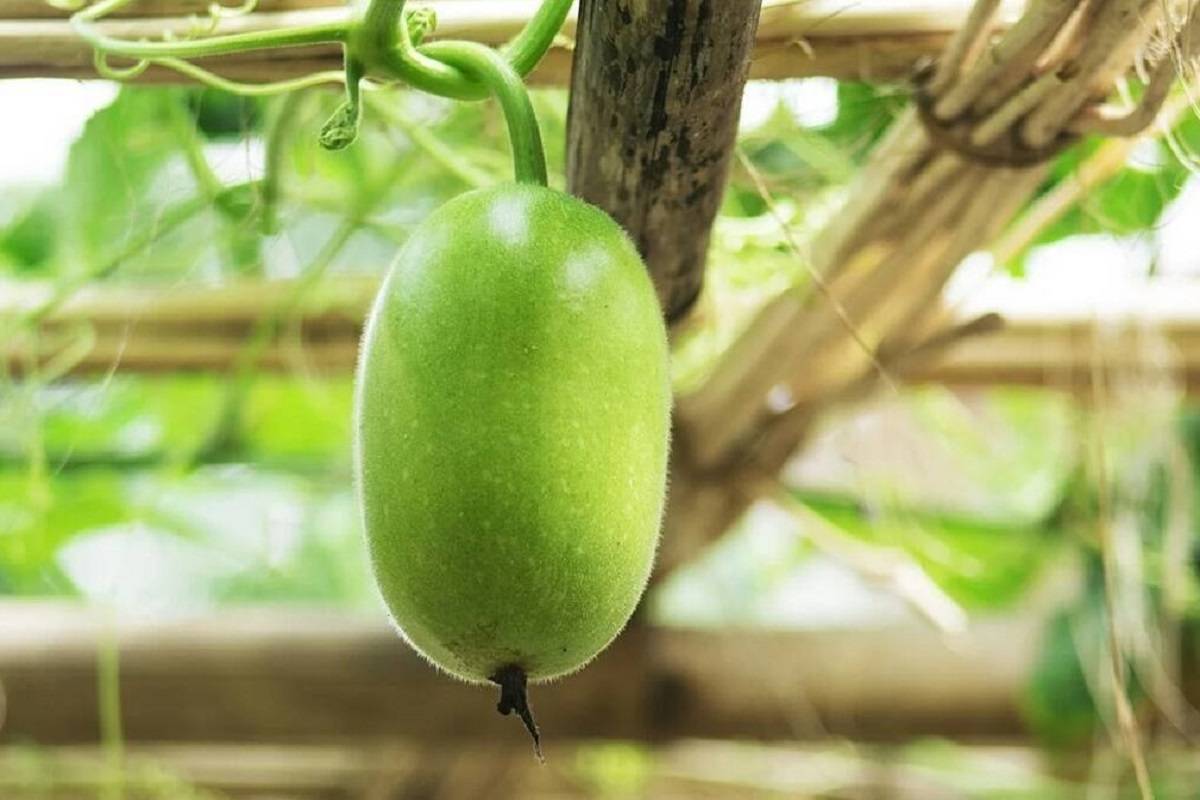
(41, 9)
(691, 770)
(874, 40)
(1045, 341)
(304, 676)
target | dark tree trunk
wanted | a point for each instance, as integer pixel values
(655, 96)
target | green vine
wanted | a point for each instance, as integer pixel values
(490, 68)
(385, 43)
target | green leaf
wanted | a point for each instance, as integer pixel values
(286, 418)
(865, 112)
(1058, 703)
(109, 186)
(1132, 201)
(981, 565)
(782, 148)
(127, 419)
(223, 115)
(38, 516)
(28, 243)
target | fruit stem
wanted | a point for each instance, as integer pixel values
(493, 70)
(515, 697)
(459, 70)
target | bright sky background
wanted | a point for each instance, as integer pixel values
(43, 117)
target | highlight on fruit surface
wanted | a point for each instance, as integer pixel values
(511, 434)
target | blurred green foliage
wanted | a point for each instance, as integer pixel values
(183, 492)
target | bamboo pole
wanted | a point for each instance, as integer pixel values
(927, 199)
(1042, 341)
(870, 40)
(305, 676)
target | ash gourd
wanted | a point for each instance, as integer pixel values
(512, 398)
(511, 424)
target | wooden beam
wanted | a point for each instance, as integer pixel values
(780, 18)
(1070, 355)
(1051, 341)
(692, 770)
(292, 676)
(148, 330)
(43, 47)
(39, 9)
(871, 40)
(655, 98)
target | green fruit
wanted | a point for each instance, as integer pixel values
(512, 422)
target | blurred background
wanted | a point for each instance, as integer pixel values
(977, 582)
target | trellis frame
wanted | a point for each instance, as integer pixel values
(934, 191)
(868, 40)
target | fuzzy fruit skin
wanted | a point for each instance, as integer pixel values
(512, 423)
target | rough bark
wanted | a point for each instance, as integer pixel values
(655, 97)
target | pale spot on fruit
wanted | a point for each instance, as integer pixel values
(581, 271)
(509, 219)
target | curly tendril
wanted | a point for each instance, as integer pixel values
(340, 131)
(218, 11)
(106, 70)
(200, 26)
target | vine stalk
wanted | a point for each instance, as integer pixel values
(491, 68)
(384, 42)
